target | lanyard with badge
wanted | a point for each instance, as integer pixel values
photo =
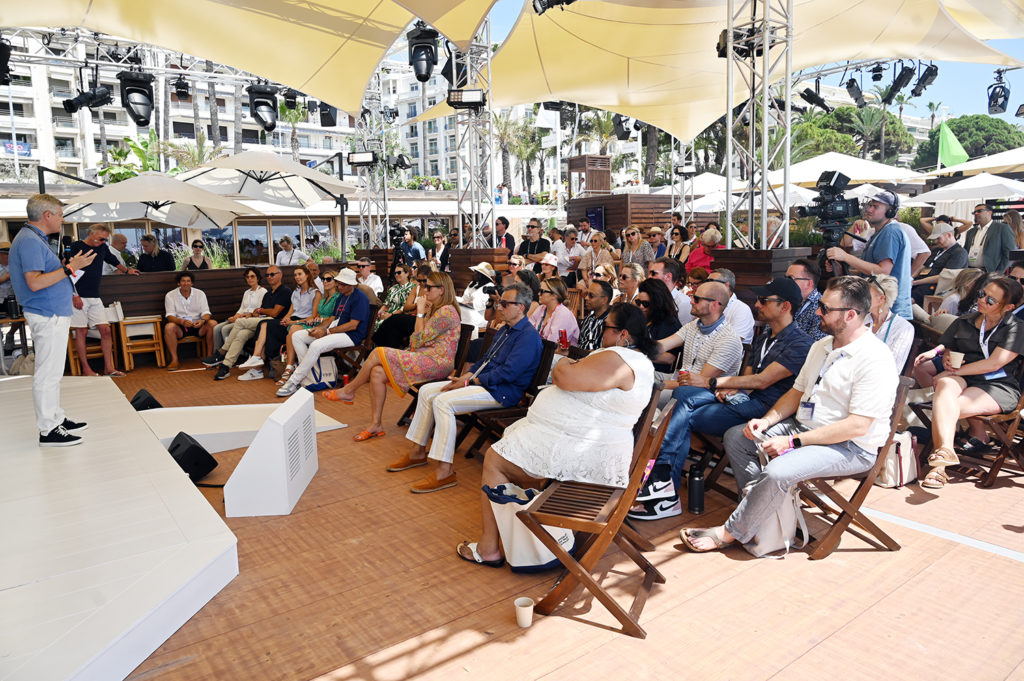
(805, 413)
(983, 342)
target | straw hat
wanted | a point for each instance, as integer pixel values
(485, 269)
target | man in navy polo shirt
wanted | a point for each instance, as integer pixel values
(43, 288)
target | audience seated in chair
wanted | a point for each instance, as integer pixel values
(991, 341)
(713, 404)
(947, 254)
(895, 331)
(654, 299)
(597, 301)
(188, 314)
(251, 299)
(670, 271)
(430, 355)
(396, 326)
(352, 322)
(324, 318)
(551, 317)
(499, 379)
(274, 305)
(830, 423)
(606, 393)
(736, 312)
(368, 277)
(805, 273)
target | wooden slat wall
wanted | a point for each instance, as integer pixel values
(755, 267)
(643, 210)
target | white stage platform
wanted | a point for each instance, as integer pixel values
(107, 547)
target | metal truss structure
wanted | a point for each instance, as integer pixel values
(759, 50)
(475, 146)
(684, 156)
(371, 128)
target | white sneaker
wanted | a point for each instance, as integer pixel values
(252, 363)
(287, 389)
(251, 375)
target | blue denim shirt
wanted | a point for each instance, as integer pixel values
(30, 252)
(514, 356)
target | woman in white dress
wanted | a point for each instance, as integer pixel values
(606, 392)
(893, 330)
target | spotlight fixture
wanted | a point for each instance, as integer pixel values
(181, 88)
(5, 62)
(621, 124)
(291, 99)
(637, 125)
(455, 70)
(998, 95)
(877, 72)
(400, 162)
(901, 81)
(263, 105)
(422, 50)
(137, 96)
(93, 98)
(467, 99)
(686, 170)
(927, 78)
(541, 6)
(853, 89)
(328, 115)
(814, 99)
(362, 159)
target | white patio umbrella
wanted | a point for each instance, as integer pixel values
(975, 188)
(1009, 161)
(857, 169)
(155, 196)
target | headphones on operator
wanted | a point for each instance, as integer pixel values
(891, 208)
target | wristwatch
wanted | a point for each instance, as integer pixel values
(797, 444)
(713, 384)
(68, 271)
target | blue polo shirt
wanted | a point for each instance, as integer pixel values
(890, 243)
(789, 348)
(511, 362)
(355, 306)
(30, 252)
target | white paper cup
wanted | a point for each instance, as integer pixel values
(524, 611)
(956, 359)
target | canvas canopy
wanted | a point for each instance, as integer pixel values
(1009, 161)
(857, 169)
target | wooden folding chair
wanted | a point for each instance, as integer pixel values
(597, 512)
(574, 301)
(351, 359)
(850, 513)
(461, 351)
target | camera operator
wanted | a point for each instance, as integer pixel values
(888, 252)
(411, 249)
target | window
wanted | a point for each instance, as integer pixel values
(414, 150)
(431, 127)
(252, 243)
(328, 143)
(414, 170)
(133, 232)
(432, 146)
(414, 86)
(19, 109)
(433, 168)
(451, 166)
(449, 123)
(414, 130)
(167, 235)
(303, 141)
(65, 147)
(180, 129)
(431, 101)
(316, 232)
(412, 110)
(451, 142)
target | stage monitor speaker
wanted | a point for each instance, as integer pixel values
(142, 400)
(328, 115)
(191, 456)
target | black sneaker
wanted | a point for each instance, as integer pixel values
(658, 509)
(656, 489)
(213, 360)
(222, 373)
(74, 426)
(59, 437)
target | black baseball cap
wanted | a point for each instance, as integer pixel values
(782, 287)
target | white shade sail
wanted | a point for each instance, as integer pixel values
(1009, 161)
(857, 169)
(155, 196)
(975, 188)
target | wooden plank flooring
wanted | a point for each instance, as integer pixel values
(360, 583)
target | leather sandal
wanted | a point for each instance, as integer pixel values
(943, 456)
(285, 375)
(474, 557)
(688, 535)
(368, 435)
(936, 479)
(973, 446)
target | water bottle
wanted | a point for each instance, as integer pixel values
(695, 490)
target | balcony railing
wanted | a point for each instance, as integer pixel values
(65, 152)
(61, 93)
(62, 121)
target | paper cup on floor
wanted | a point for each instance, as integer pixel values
(956, 359)
(524, 611)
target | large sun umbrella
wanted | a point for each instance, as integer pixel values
(857, 169)
(155, 196)
(975, 188)
(1009, 161)
(267, 177)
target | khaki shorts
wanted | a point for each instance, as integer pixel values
(92, 314)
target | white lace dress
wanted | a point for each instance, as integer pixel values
(582, 436)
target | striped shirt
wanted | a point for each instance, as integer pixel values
(721, 348)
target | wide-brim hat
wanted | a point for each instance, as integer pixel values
(347, 277)
(549, 259)
(486, 269)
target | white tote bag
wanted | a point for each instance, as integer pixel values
(778, 533)
(322, 375)
(900, 466)
(524, 552)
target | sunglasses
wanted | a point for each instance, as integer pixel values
(643, 303)
(799, 278)
(982, 210)
(598, 275)
(421, 282)
(364, 266)
(631, 234)
(193, 245)
(698, 298)
(595, 241)
(102, 239)
(328, 279)
(430, 286)
(506, 303)
(764, 300)
(825, 309)
(1018, 279)
(273, 274)
(987, 298)
(545, 290)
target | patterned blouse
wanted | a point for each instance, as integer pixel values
(431, 353)
(395, 299)
(641, 256)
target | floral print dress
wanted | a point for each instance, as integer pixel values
(431, 353)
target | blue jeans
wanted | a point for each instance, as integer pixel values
(698, 410)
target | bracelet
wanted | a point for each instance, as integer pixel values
(420, 316)
(938, 353)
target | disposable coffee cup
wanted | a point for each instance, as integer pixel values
(524, 611)
(956, 359)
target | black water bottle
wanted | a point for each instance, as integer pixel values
(695, 490)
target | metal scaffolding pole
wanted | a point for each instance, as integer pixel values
(371, 129)
(759, 43)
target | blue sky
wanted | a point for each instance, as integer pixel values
(961, 87)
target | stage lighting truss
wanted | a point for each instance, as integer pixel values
(137, 96)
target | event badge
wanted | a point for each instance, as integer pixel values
(995, 375)
(806, 411)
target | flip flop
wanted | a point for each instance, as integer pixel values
(688, 535)
(496, 563)
(117, 374)
(332, 395)
(367, 435)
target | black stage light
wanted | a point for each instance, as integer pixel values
(877, 72)
(390, 114)
(5, 62)
(455, 70)
(291, 99)
(622, 131)
(97, 96)
(901, 81)
(181, 88)
(400, 162)
(422, 50)
(263, 105)
(998, 96)
(360, 159)
(1020, 111)
(328, 115)
(814, 99)
(137, 96)
(853, 89)
(926, 79)
(541, 6)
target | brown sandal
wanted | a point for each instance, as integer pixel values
(936, 479)
(943, 456)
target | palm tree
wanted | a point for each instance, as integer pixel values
(211, 90)
(933, 108)
(237, 105)
(188, 156)
(901, 101)
(599, 129)
(292, 117)
(866, 123)
(197, 124)
(710, 145)
(882, 91)
(527, 149)
(507, 132)
(651, 135)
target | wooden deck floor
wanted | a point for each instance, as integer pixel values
(360, 582)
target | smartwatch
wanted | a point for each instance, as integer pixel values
(713, 384)
(797, 444)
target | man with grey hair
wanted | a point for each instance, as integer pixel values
(737, 312)
(43, 287)
(498, 379)
(368, 277)
(568, 267)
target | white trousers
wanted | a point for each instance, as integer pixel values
(436, 411)
(50, 343)
(308, 351)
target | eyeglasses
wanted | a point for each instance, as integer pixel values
(698, 298)
(273, 274)
(545, 290)
(825, 309)
(364, 266)
(613, 328)
(1018, 279)
(595, 241)
(506, 303)
(982, 210)
(798, 278)
(643, 303)
(421, 282)
(764, 300)
(438, 237)
(987, 298)
(102, 239)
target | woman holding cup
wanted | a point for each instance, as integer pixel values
(974, 371)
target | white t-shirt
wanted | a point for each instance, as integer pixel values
(917, 244)
(192, 308)
(374, 282)
(859, 378)
(741, 319)
(292, 257)
(112, 269)
(251, 300)
(683, 305)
